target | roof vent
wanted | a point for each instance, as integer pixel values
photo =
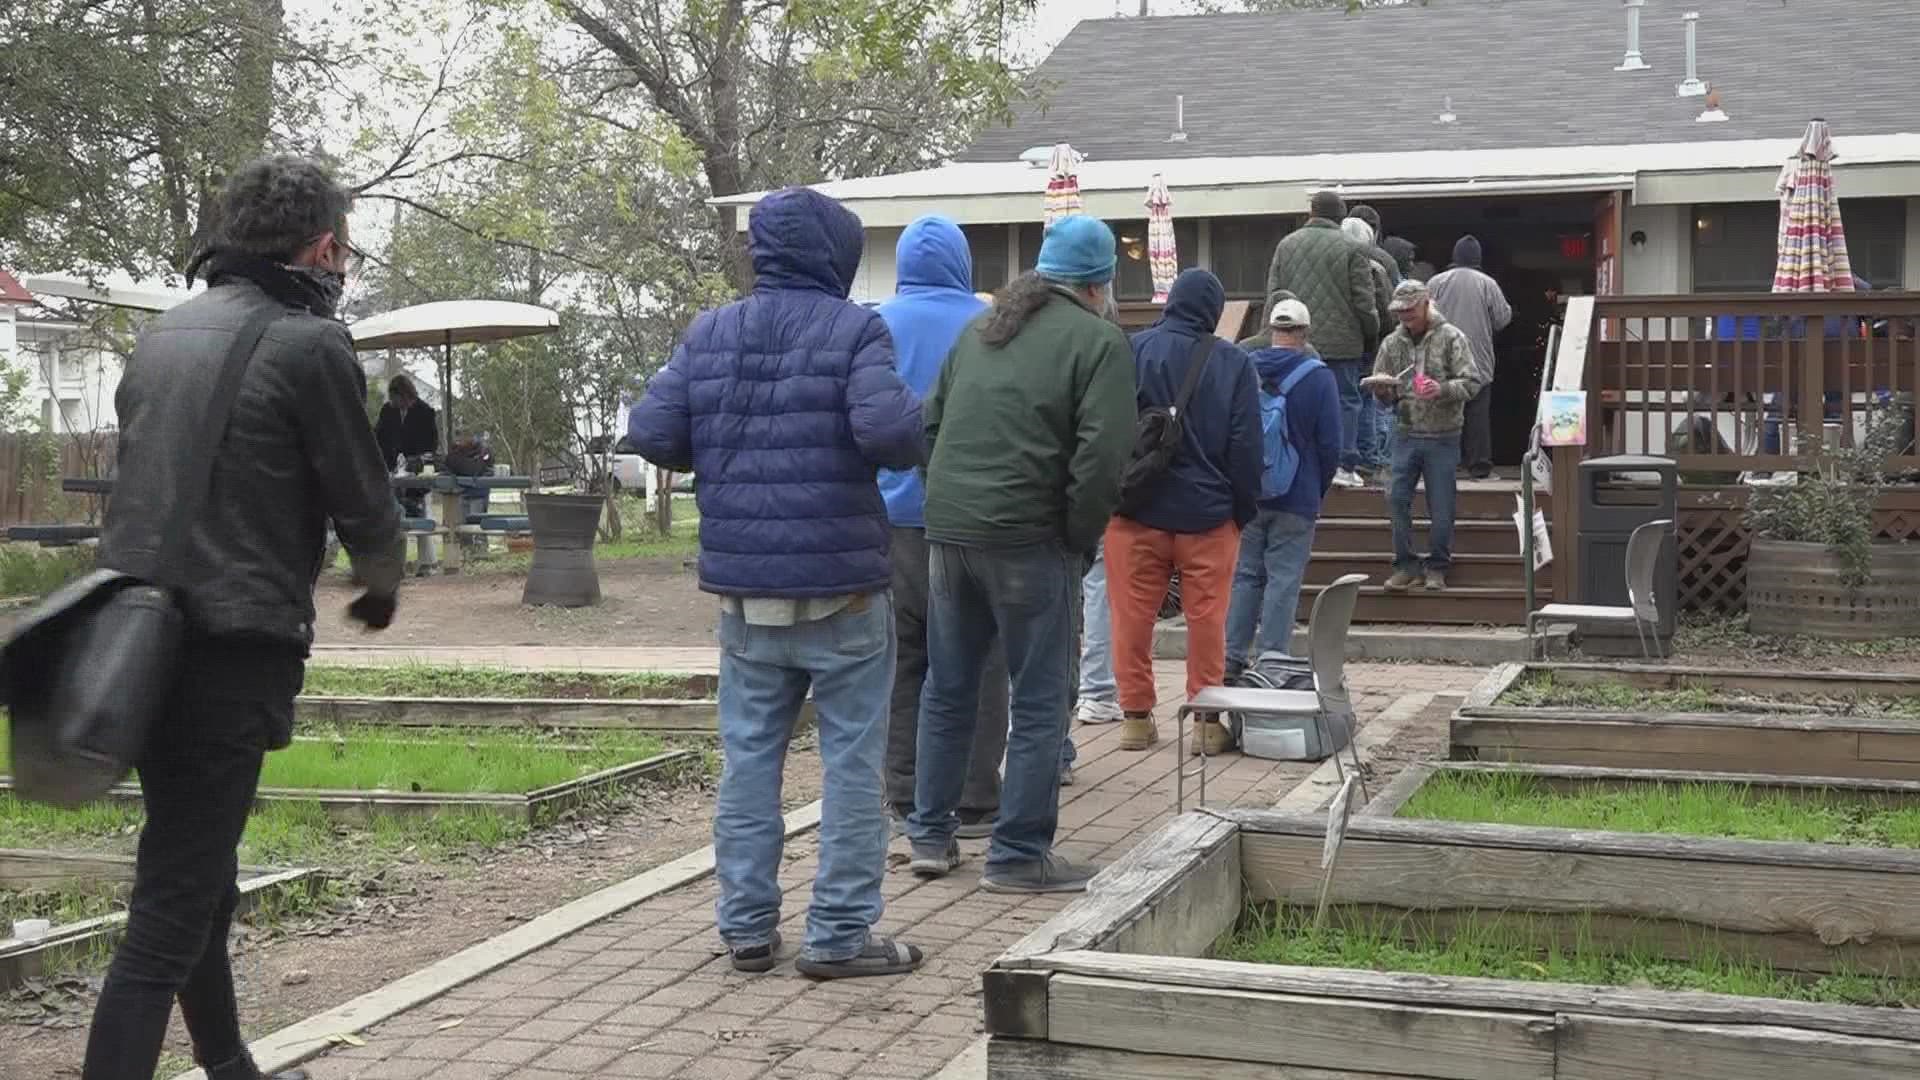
(1446, 111)
(1693, 87)
(1179, 119)
(1714, 114)
(1634, 61)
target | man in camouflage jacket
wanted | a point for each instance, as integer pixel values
(1426, 367)
(1332, 275)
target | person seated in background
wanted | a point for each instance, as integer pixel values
(408, 427)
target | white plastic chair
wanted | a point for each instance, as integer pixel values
(1327, 654)
(1643, 607)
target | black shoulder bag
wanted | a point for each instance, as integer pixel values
(85, 675)
(1156, 436)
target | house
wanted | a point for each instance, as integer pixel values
(1619, 149)
(1512, 120)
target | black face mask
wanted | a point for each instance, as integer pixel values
(330, 284)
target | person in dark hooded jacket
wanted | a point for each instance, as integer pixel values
(1190, 520)
(784, 406)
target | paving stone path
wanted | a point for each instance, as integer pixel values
(649, 993)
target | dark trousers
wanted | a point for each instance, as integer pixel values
(1476, 435)
(981, 795)
(233, 703)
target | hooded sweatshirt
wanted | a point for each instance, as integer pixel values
(934, 302)
(1313, 425)
(1473, 302)
(784, 405)
(1215, 476)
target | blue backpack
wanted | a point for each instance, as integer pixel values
(1280, 460)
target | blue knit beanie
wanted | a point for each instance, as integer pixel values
(1078, 250)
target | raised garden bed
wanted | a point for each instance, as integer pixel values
(426, 696)
(33, 883)
(356, 774)
(1122, 985)
(1839, 724)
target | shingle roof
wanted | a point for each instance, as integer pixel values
(12, 292)
(1520, 73)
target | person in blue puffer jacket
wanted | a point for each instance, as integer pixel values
(784, 406)
(934, 303)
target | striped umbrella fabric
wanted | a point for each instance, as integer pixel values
(1063, 184)
(1813, 242)
(1162, 258)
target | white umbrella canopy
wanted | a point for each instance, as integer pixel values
(447, 323)
(130, 295)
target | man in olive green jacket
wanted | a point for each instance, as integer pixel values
(1426, 367)
(1028, 431)
(1333, 276)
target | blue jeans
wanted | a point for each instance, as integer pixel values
(1026, 595)
(1437, 458)
(765, 671)
(1096, 646)
(1369, 447)
(1274, 549)
(1346, 375)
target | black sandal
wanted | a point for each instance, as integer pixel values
(755, 959)
(882, 956)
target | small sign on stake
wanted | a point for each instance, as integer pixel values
(1337, 815)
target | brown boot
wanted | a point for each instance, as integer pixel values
(1209, 737)
(1137, 731)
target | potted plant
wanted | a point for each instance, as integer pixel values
(1815, 566)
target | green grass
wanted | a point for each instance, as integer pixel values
(61, 906)
(1541, 690)
(431, 759)
(429, 680)
(30, 570)
(1734, 811)
(1728, 636)
(1534, 949)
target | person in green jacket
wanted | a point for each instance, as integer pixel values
(1333, 276)
(1028, 430)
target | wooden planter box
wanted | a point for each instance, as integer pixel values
(693, 716)
(1785, 743)
(19, 869)
(359, 807)
(1117, 987)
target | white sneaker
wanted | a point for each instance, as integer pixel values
(1346, 478)
(1099, 712)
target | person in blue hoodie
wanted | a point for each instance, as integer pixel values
(1190, 519)
(933, 303)
(785, 405)
(1275, 548)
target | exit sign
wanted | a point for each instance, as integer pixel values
(1577, 247)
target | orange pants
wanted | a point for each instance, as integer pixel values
(1140, 562)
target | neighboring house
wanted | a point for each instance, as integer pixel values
(1511, 121)
(70, 381)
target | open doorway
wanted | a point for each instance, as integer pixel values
(1540, 249)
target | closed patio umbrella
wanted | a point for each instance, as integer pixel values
(1162, 258)
(1813, 242)
(1063, 184)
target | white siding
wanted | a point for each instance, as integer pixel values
(1911, 273)
(878, 275)
(1663, 265)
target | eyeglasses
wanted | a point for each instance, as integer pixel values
(355, 258)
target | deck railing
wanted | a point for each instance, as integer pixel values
(1726, 384)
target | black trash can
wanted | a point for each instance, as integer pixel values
(1618, 495)
(564, 529)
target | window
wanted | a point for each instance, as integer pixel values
(989, 244)
(1242, 251)
(1133, 276)
(1734, 244)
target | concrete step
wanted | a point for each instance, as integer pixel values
(1481, 646)
(1475, 501)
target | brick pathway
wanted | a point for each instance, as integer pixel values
(649, 994)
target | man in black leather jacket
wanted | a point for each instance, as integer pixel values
(296, 451)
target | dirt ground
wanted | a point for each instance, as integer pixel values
(411, 916)
(646, 602)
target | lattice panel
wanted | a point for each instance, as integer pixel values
(1712, 548)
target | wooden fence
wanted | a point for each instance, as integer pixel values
(1729, 386)
(31, 476)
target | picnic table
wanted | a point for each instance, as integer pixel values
(450, 494)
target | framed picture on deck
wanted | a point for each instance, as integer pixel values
(1563, 418)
